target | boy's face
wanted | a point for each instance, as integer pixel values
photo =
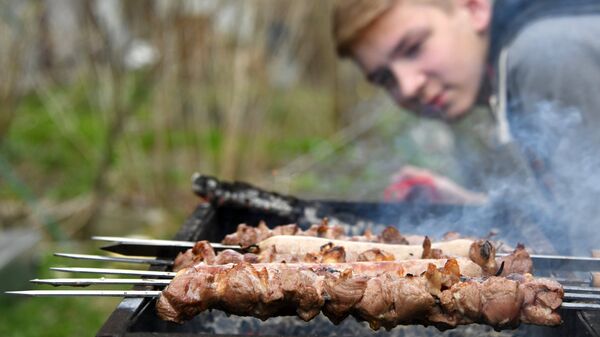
(430, 60)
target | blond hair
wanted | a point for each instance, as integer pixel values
(352, 17)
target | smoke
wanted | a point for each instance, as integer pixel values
(547, 182)
(543, 188)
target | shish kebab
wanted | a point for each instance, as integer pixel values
(384, 294)
(471, 268)
(480, 263)
(375, 322)
(150, 247)
(390, 240)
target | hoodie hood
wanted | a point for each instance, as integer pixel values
(510, 16)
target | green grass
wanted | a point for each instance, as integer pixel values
(61, 147)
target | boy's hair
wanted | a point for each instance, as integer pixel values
(352, 17)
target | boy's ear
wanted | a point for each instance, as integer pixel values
(480, 12)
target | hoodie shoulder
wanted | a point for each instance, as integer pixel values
(556, 42)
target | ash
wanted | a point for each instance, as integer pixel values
(217, 322)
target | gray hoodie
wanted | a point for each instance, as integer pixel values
(548, 106)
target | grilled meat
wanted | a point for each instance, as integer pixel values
(431, 253)
(247, 235)
(202, 252)
(300, 246)
(481, 252)
(384, 294)
(376, 255)
(518, 262)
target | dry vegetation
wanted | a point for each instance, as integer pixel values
(92, 142)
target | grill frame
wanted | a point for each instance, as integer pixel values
(211, 221)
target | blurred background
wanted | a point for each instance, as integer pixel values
(108, 107)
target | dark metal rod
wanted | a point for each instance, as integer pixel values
(581, 289)
(587, 297)
(580, 306)
(153, 242)
(563, 263)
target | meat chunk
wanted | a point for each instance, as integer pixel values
(483, 253)
(201, 252)
(291, 229)
(304, 290)
(391, 235)
(327, 254)
(376, 302)
(375, 254)
(377, 292)
(248, 235)
(343, 293)
(541, 298)
(187, 295)
(518, 262)
(429, 253)
(229, 256)
(501, 301)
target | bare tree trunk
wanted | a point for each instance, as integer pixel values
(120, 108)
(235, 115)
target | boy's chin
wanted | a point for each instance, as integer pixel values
(432, 112)
(456, 112)
(448, 115)
(453, 116)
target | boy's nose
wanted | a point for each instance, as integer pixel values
(410, 82)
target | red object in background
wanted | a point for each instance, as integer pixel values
(421, 189)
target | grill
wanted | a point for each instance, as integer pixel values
(225, 205)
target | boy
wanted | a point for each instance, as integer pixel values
(536, 63)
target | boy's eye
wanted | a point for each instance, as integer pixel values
(385, 79)
(413, 51)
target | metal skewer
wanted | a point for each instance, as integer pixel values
(156, 293)
(579, 306)
(140, 260)
(151, 261)
(153, 242)
(585, 297)
(144, 247)
(84, 282)
(581, 289)
(150, 273)
(150, 247)
(101, 293)
(563, 263)
(165, 274)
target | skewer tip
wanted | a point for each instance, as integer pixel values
(26, 293)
